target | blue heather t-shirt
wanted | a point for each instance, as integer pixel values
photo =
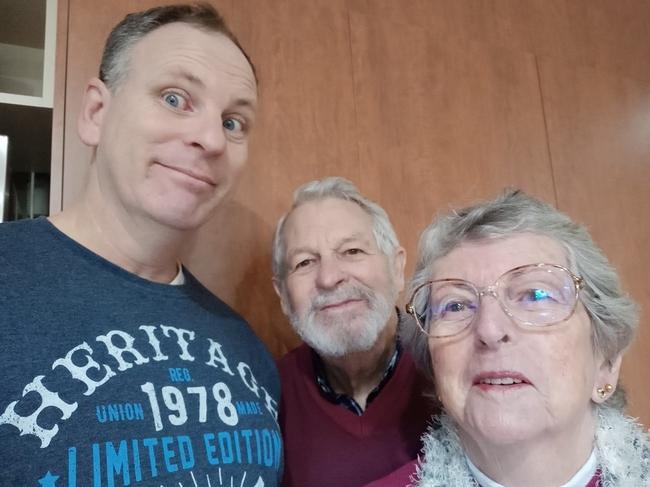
(112, 380)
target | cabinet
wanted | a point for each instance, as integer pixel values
(27, 47)
(27, 59)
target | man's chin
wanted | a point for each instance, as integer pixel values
(337, 347)
(184, 221)
(342, 335)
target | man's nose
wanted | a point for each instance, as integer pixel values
(330, 273)
(209, 134)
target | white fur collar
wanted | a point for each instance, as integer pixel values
(622, 450)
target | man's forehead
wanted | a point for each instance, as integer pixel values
(327, 222)
(187, 50)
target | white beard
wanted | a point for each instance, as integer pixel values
(348, 332)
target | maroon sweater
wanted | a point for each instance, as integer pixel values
(327, 445)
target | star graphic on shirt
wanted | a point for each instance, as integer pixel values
(48, 480)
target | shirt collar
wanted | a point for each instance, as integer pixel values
(179, 280)
(580, 479)
(344, 400)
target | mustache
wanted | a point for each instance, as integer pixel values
(342, 294)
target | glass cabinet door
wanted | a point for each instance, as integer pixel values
(27, 47)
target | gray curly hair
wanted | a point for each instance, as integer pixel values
(614, 315)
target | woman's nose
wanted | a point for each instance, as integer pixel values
(492, 324)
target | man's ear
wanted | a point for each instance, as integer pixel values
(398, 263)
(94, 105)
(277, 285)
(606, 380)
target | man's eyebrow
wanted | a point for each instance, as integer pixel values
(248, 103)
(299, 250)
(357, 237)
(179, 72)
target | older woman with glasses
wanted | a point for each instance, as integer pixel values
(521, 324)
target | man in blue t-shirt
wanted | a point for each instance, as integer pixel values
(118, 366)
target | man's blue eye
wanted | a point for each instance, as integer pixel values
(172, 99)
(233, 125)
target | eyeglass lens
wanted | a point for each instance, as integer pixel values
(533, 295)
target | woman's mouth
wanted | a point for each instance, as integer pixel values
(500, 380)
(505, 381)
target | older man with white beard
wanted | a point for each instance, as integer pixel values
(351, 409)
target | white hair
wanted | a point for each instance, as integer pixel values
(339, 188)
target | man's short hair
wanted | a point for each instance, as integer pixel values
(117, 51)
(338, 188)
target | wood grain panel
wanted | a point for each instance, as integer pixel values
(306, 130)
(610, 35)
(442, 123)
(599, 127)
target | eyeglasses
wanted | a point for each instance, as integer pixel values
(534, 295)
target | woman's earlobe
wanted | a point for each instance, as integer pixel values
(606, 380)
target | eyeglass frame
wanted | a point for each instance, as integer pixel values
(491, 290)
